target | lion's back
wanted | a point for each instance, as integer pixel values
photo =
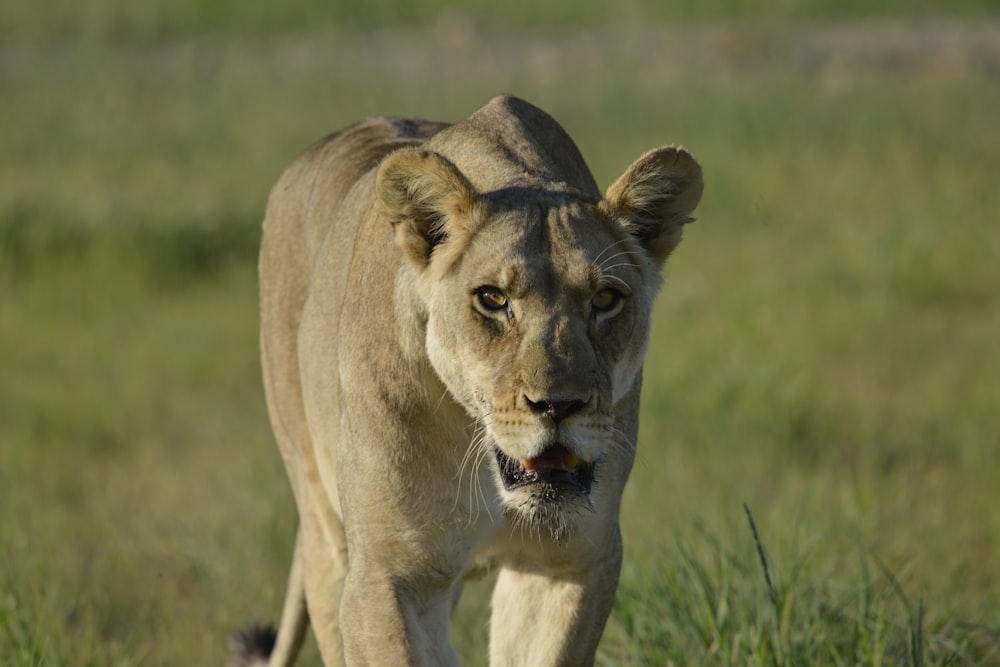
(305, 200)
(324, 191)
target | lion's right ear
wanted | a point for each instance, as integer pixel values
(425, 197)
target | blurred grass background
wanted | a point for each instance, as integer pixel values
(825, 350)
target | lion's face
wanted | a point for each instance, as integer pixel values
(538, 329)
(537, 307)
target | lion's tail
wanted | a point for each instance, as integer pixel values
(252, 646)
(260, 645)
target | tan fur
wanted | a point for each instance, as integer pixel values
(393, 378)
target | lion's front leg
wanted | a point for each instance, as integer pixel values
(548, 620)
(389, 620)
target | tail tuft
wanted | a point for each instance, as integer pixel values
(251, 646)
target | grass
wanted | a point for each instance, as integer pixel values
(824, 352)
(149, 21)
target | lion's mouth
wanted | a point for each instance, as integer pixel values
(556, 466)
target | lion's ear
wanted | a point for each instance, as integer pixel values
(425, 197)
(655, 196)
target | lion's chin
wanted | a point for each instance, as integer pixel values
(555, 471)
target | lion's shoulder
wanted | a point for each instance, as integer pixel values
(358, 148)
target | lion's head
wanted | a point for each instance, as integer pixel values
(536, 300)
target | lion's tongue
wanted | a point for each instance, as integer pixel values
(556, 456)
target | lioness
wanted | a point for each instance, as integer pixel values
(453, 324)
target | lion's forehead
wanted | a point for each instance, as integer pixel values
(560, 243)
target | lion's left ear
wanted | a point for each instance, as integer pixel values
(655, 196)
(425, 196)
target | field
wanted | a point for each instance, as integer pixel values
(825, 356)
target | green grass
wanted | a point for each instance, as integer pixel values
(824, 351)
(152, 21)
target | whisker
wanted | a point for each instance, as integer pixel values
(478, 451)
(616, 279)
(610, 246)
(481, 495)
(615, 266)
(440, 401)
(470, 457)
(611, 264)
(622, 442)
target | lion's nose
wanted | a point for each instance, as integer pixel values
(557, 410)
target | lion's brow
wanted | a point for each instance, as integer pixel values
(515, 197)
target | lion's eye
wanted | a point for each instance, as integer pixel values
(605, 300)
(492, 298)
